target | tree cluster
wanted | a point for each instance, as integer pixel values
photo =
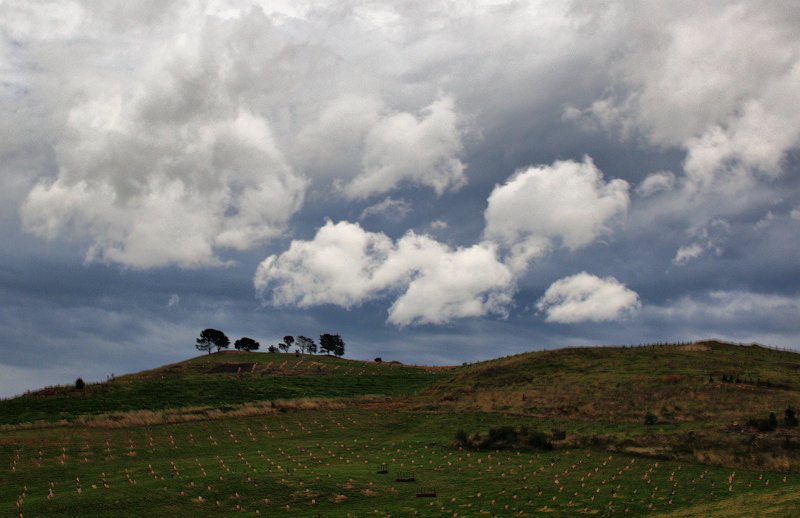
(211, 338)
(328, 343)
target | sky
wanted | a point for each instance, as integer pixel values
(438, 182)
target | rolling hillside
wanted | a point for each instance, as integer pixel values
(220, 380)
(661, 431)
(677, 383)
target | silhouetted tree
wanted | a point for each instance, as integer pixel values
(305, 344)
(79, 384)
(211, 338)
(284, 346)
(311, 346)
(272, 349)
(246, 344)
(331, 344)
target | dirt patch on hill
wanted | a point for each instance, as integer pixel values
(220, 368)
(695, 347)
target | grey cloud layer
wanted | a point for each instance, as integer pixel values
(499, 157)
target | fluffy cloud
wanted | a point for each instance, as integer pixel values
(170, 169)
(345, 265)
(718, 82)
(567, 203)
(587, 298)
(209, 136)
(420, 149)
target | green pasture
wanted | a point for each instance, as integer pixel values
(324, 463)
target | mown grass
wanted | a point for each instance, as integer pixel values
(325, 463)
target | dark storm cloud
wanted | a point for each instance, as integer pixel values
(490, 171)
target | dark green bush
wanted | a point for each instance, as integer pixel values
(79, 384)
(790, 417)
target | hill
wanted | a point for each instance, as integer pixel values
(218, 381)
(709, 401)
(596, 431)
(678, 383)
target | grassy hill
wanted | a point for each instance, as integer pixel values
(560, 432)
(220, 380)
(677, 383)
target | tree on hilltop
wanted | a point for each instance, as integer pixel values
(284, 346)
(306, 344)
(211, 338)
(331, 344)
(246, 344)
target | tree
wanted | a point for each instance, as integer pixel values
(211, 338)
(272, 349)
(79, 384)
(246, 344)
(284, 346)
(331, 344)
(306, 344)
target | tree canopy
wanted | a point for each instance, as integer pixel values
(284, 346)
(331, 344)
(306, 345)
(246, 344)
(211, 338)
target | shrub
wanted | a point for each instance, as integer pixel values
(790, 418)
(769, 424)
(378, 359)
(461, 438)
(506, 438)
(79, 384)
(650, 418)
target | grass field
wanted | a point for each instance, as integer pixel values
(276, 434)
(326, 463)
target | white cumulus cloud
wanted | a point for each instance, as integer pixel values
(421, 150)
(584, 297)
(345, 265)
(567, 203)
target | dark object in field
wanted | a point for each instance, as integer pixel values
(650, 418)
(790, 417)
(402, 476)
(508, 438)
(426, 492)
(382, 470)
(230, 367)
(79, 384)
(769, 424)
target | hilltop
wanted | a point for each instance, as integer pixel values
(221, 380)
